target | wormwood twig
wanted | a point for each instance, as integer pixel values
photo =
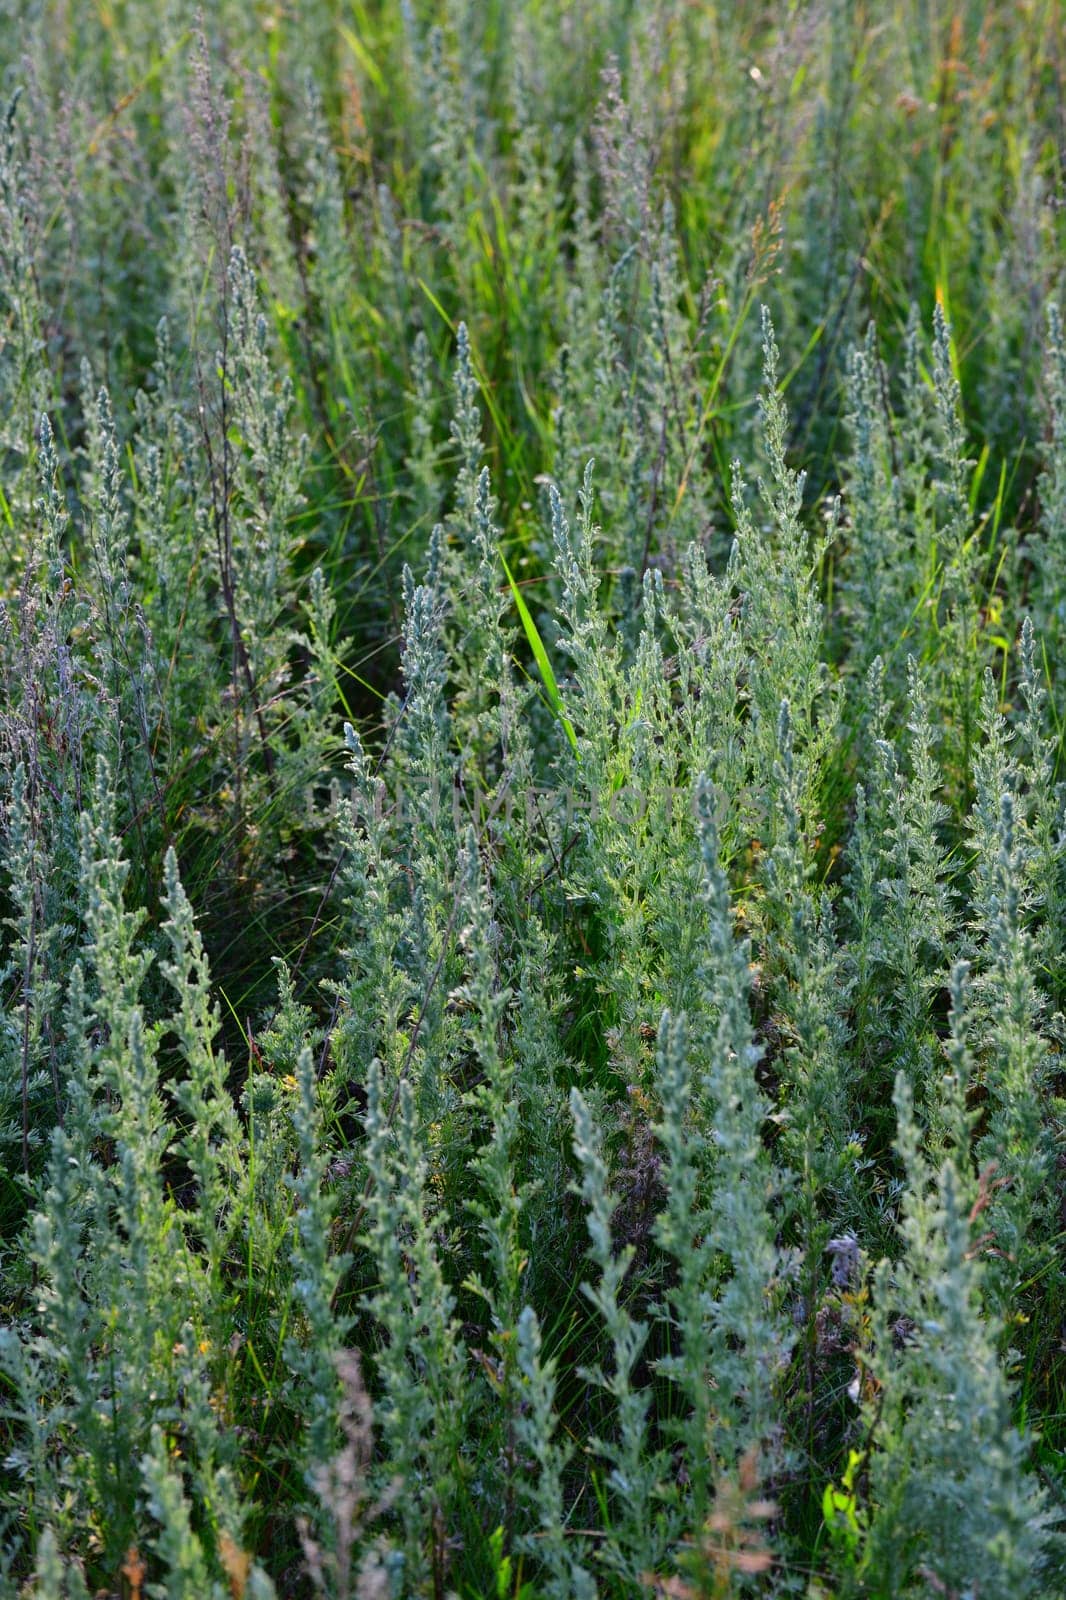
(353, 1232)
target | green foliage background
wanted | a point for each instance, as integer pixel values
(532, 600)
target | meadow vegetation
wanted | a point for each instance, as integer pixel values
(532, 855)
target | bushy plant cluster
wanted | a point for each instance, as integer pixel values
(532, 837)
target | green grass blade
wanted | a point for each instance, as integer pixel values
(540, 656)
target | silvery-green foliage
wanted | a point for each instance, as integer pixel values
(586, 638)
(188, 1572)
(376, 988)
(1050, 545)
(499, 1207)
(639, 1529)
(425, 766)
(54, 1578)
(1042, 812)
(969, 1515)
(951, 466)
(542, 1486)
(268, 195)
(954, 546)
(419, 1363)
(805, 969)
(466, 437)
(995, 774)
(28, 1045)
(267, 474)
(710, 663)
(314, 1087)
(488, 709)
(540, 1071)
(323, 197)
(26, 384)
(499, 1202)
(681, 1231)
(165, 452)
(323, 687)
(452, 132)
(108, 1237)
(122, 674)
(424, 458)
(537, 193)
(214, 1143)
(879, 564)
(1018, 1140)
(677, 509)
(317, 1269)
(596, 409)
(773, 567)
(101, 1236)
(423, 718)
(904, 899)
(631, 772)
(750, 1338)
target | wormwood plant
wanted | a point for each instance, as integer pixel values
(149, 1201)
(531, 970)
(936, 1386)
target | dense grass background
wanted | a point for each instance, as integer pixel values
(533, 548)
